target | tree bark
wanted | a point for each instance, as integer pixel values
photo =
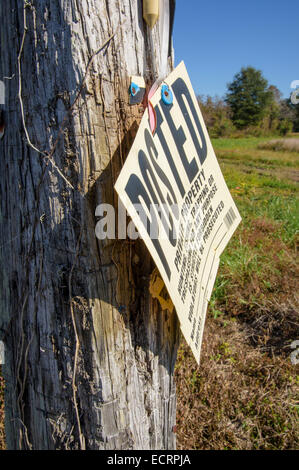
(89, 354)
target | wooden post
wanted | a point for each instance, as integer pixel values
(89, 354)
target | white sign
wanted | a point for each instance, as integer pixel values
(174, 191)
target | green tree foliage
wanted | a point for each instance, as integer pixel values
(279, 116)
(291, 112)
(250, 107)
(296, 121)
(217, 116)
(272, 112)
(249, 97)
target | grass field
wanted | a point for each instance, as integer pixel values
(244, 395)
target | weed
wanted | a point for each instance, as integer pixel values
(291, 145)
(247, 394)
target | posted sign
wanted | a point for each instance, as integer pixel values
(174, 191)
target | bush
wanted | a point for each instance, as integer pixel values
(285, 127)
(224, 128)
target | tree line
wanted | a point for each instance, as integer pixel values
(250, 107)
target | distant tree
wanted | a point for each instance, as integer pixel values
(273, 110)
(277, 95)
(216, 114)
(296, 120)
(287, 110)
(249, 97)
(290, 111)
(283, 114)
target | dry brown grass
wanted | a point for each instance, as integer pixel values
(239, 398)
(290, 145)
(244, 394)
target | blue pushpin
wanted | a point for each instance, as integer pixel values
(167, 96)
(134, 89)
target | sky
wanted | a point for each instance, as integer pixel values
(215, 38)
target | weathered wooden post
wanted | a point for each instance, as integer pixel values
(89, 354)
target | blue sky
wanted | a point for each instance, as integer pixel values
(216, 38)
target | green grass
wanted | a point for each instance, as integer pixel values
(247, 395)
(270, 194)
(243, 143)
(259, 197)
(259, 159)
